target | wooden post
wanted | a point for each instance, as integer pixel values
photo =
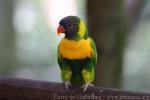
(25, 89)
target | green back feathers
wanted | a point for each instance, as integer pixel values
(83, 31)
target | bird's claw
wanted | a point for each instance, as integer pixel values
(86, 85)
(67, 84)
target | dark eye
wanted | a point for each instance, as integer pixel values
(69, 25)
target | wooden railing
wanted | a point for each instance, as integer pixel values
(25, 89)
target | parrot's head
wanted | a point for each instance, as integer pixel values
(73, 28)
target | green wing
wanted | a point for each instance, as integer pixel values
(94, 56)
(59, 58)
(66, 72)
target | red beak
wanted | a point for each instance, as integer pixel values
(60, 29)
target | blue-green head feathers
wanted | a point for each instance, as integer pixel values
(74, 28)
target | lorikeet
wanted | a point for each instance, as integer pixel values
(77, 55)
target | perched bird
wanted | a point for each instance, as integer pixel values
(77, 55)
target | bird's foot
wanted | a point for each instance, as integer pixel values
(67, 84)
(86, 85)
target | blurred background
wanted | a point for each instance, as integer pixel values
(120, 28)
